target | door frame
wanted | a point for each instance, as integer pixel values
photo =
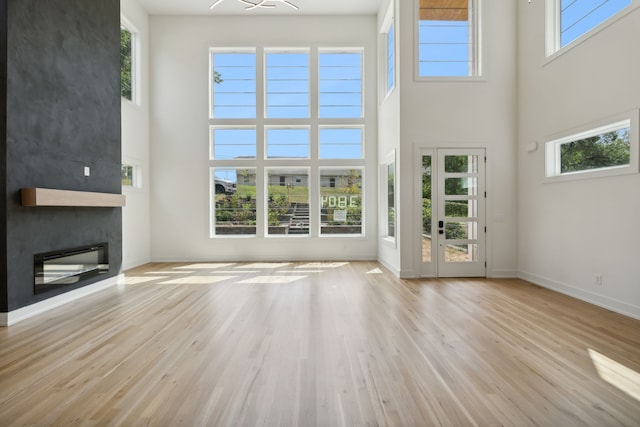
(431, 269)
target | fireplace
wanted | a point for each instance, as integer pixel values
(69, 266)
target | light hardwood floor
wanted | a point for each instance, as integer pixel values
(327, 344)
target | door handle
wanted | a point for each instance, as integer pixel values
(440, 224)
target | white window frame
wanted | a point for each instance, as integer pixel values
(347, 50)
(478, 69)
(135, 61)
(265, 76)
(261, 123)
(387, 24)
(618, 122)
(136, 178)
(553, 48)
(248, 50)
(389, 161)
(341, 126)
(361, 169)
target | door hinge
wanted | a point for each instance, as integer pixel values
(485, 229)
(485, 264)
(485, 194)
(485, 159)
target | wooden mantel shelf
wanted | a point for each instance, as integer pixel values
(51, 197)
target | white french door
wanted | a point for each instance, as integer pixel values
(452, 212)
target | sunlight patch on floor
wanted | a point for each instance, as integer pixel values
(197, 280)
(264, 265)
(375, 271)
(616, 374)
(204, 266)
(322, 265)
(272, 279)
(134, 280)
(169, 272)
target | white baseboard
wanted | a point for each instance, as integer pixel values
(502, 274)
(8, 319)
(590, 297)
(389, 267)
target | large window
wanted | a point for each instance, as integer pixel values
(448, 38)
(275, 142)
(570, 20)
(609, 149)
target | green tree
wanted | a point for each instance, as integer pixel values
(600, 151)
(125, 63)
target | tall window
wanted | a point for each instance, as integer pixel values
(268, 158)
(447, 38)
(575, 18)
(127, 63)
(391, 58)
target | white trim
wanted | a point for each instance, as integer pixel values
(502, 274)
(8, 319)
(612, 304)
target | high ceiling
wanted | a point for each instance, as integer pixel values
(236, 7)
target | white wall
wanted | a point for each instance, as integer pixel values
(571, 231)
(464, 114)
(135, 149)
(180, 133)
(388, 136)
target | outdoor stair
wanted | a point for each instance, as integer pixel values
(299, 223)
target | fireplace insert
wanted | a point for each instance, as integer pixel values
(69, 266)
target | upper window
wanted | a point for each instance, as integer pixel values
(234, 85)
(447, 38)
(287, 85)
(391, 58)
(574, 18)
(127, 63)
(340, 84)
(609, 149)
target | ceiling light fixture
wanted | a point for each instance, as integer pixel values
(255, 4)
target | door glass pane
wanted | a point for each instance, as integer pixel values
(426, 208)
(461, 253)
(461, 230)
(461, 186)
(461, 164)
(461, 208)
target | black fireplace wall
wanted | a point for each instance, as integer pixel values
(62, 113)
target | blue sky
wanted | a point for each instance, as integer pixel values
(287, 93)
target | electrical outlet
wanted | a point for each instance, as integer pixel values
(599, 279)
(87, 171)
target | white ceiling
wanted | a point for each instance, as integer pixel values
(235, 7)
